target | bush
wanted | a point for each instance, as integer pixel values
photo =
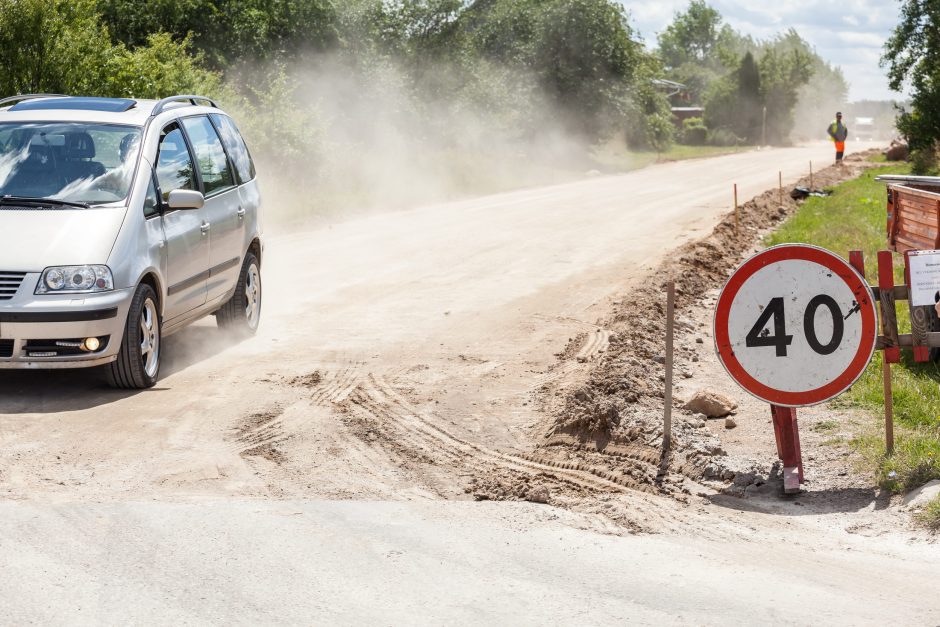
(723, 137)
(694, 132)
(924, 160)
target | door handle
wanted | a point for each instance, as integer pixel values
(205, 227)
(240, 213)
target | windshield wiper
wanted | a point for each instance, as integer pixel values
(6, 199)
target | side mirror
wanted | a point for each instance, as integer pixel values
(185, 199)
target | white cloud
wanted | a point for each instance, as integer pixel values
(848, 33)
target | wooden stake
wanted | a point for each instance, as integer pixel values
(780, 187)
(889, 320)
(810, 176)
(736, 209)
(667, 397)
(787, 434)
(889, 407)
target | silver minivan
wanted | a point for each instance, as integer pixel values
(121, 222)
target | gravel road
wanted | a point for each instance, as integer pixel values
(319, 471)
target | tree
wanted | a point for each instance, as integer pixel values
(229, 33)
(783, 73)
(585, 59)
(736, 102)
(697, 48)
(749, 100)
(60, 46)
(912, 56)
(693, 37)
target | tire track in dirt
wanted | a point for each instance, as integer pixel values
(592, 344)
(335, 387)
(595, 344)
(260, 433)
(376, 396)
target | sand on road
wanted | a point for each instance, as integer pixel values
(399, 356)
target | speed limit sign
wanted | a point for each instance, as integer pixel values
(795, 325)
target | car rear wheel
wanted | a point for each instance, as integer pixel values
(242, 313)
(138, 362)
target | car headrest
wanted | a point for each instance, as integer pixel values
(39, 154)
(79, 146)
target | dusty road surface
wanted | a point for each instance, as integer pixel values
(398, 365)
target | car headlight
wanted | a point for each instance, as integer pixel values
(71, 279)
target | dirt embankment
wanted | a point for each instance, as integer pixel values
(613, 417)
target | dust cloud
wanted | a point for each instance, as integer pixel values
(344, 139)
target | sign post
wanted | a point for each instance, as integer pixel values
(795, 326)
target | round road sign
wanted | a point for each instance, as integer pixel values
(795, 325)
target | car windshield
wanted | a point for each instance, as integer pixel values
(68, 161)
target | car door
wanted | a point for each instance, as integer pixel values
(186, 230)
(238, 155)
(223, 208)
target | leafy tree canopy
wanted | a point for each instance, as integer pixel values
(75, 55)
(912, 58)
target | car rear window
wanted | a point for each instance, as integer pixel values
(214, 168)
(235, 146)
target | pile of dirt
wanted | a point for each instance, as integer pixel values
(617, 412)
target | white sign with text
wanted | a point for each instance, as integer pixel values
(925, 277)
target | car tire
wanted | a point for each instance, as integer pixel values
(242, 313)
(138, 363)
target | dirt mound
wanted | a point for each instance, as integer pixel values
(617, 411)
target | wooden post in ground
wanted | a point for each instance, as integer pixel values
(736, 219)
(780, 187)
(667, 396)
(787, 435)
(889, 406)
(810, 176)
(889, 329)
(889, 326)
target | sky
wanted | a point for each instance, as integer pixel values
(847, 33)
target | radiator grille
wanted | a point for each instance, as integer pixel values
(9, 283)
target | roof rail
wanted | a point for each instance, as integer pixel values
(21, 97)
(161, 105)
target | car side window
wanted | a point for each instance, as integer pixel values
(214, 168)
(174, 163)
(151, 201)
(235, 146)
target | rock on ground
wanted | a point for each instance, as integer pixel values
(711, 403)
(922, 495)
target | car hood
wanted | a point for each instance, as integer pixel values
(33, 239)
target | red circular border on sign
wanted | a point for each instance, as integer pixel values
(787, 252)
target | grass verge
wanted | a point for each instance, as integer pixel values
(853, 218)
(930, 515)
(612, 158)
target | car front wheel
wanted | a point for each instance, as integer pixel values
(138, 362)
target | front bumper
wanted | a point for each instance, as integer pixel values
(28, 321)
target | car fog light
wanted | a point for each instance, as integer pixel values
(90, 344)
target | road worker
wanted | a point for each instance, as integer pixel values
(837, 133)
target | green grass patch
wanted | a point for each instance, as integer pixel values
(915, 461)
(611, 158)
(930, 516)
(826, 426)
(853, 218)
